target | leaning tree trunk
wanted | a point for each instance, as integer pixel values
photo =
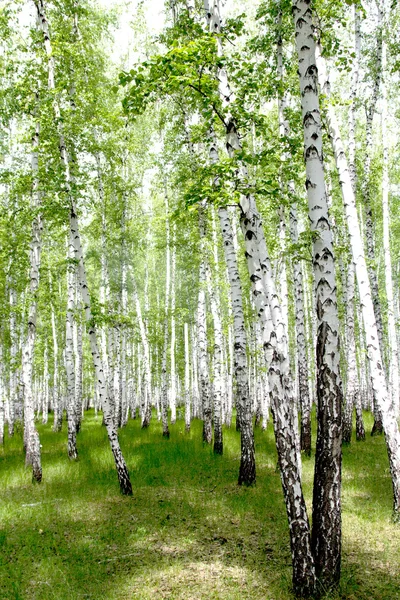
(122, 470)
(377, 375)
(326, 531)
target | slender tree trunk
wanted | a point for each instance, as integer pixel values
(123, 413)
(217, 360)
(326, 531)
(187, 377)
(57, 406)
(145, 408)
(164, 398)
(12, 399)
(172, 402)
(202, 333)
(31, 435)
(369, 225)
(247, 470)
(78, 350)
(69, 354)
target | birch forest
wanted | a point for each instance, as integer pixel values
(199, 299)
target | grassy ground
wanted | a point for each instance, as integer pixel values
(188, 532)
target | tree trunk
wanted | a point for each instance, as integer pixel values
(69, 353)
(187, 378)
(172, 401)
(369, 225)
(247, 470)
(202, 333)
(326, 531)
(164, 397)
(31, 435)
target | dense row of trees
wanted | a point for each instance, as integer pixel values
(220, 219)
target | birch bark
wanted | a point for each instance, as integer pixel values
(172, 401)
(369, 225)
(247, 470)
(145, 407)
(217, 360)
(202, 333)
(326, 531)
(12, 399)
(69, 352)
(57, 406)
(302, 365)
(31, 435)
(187, 377)
(164, 398)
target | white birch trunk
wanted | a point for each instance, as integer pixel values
(326, 530)
(205, 391)
(145, 405)
(78, 351)
(45, 405)
(187, 377)
(217, 366)
(69, 353)
(172, 401)
(247, 470)
(196, 411)
(12, 398)
(164, 375)
(31, 435)
(57, 406)
(369, 225)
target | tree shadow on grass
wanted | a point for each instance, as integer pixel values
(188, 531)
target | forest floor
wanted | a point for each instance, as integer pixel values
(188, 532)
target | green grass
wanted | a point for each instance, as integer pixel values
(189, 531)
